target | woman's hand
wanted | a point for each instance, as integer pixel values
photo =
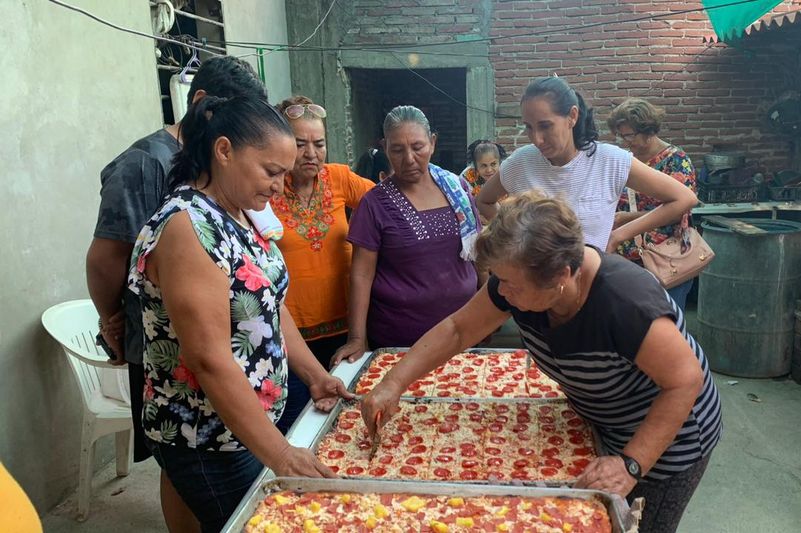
(326, 390)
(609, 474)
(382, 399)
(353, 350)
(300, 462)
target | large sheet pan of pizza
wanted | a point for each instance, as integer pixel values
(330, 505)
(460, 439)
(476, 373)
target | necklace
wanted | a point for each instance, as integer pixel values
(562, 317)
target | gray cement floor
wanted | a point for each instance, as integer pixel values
(753, 483)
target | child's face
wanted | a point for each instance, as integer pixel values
(487, 165)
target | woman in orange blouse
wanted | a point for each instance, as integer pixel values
(316, 253)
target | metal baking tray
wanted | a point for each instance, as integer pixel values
(622, 518)
(367, 361)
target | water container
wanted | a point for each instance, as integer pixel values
(746, 298)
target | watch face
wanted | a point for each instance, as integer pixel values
(633, 469)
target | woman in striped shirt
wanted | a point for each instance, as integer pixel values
(565, 160)
(608, 333)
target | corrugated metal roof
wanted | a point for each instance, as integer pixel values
(768, 22)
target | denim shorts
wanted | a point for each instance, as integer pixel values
(211, 483)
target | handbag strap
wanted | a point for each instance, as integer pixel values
(639, 240)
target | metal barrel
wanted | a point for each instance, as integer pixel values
(746, 298)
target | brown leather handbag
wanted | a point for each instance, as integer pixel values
(676, 259)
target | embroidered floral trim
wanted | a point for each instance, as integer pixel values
(475, 180)
(313, 222)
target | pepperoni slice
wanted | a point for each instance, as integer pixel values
(472, 406)
(448, 449)
(452, 418)
(418, 393)
(581, 463)
(556, 440)
(385, 459)
(494, 461)
(577, 439)
(573, 432)
(407, 470)
(468, 369)
(523, 418)
(431, 421)
(521, 463)
(550, 428)
(442, 473)
(420, 448)
(502, 419)
(519, 428)
(365, 444)
(492, 378)
(496, 439)
(501, 408)
(420, 408)
(574, 471)
(552, 461)
(334, 468)
(443, 459)
(492, 451)
(447, 427)
(378, 471)
(455, 406)
(468, 474)
(526, 452)
(575, 422)
(467, 446)
(495, 427)
(342, 437)
(415, 460)
(469, 392)
(583, 451)
(469, 463)
(497, 393)
(345, 424)
(397, 439)
(550, 452)
(548, 471)
(546, 409)
(404, 427)
(469, 452)
(519, 474)
(354, 470)
(547, 419)
(335, 454)
(551, 394)
(476, 417)
(416, 439)
(569, 413)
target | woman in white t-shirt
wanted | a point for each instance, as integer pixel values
(565, 160)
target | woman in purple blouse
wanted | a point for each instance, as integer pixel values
(412, 239)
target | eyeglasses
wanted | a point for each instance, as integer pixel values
(626, 136)
(295, 111)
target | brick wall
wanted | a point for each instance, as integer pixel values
(413, 21)
(714, 95)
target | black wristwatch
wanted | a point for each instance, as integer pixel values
(632, 467)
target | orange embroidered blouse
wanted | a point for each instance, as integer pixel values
(316, 252)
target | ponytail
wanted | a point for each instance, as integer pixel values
(481, 147)
(243, 120)
(563, 98)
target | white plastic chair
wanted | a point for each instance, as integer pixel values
(74, 325)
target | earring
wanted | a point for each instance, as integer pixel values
(561, 289)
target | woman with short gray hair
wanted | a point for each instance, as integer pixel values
(413, 238)
(606, 332)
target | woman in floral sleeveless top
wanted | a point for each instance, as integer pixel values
(636, 122)
(218, 339)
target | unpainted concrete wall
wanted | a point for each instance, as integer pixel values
(260, 21)
(75, 94)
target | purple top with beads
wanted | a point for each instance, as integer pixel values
(420, 278)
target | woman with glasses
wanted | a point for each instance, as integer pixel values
(566, 160)
(636, 124)
(412, 238)
(312, 210)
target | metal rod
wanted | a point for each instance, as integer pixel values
(196, 17)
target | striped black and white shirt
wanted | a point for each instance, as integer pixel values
(590, 184)
(592, 358)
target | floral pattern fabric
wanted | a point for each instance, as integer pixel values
(176, 410)
(312, 222)
(674, 162)
(474, 180)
